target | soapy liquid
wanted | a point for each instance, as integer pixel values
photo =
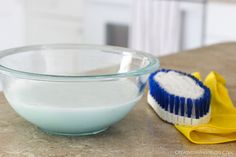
(72, 107)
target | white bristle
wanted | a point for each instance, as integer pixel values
(179, 84)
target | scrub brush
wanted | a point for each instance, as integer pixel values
(179, 98)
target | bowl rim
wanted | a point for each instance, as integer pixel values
(151, 67)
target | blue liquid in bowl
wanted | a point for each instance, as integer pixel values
(72, 108)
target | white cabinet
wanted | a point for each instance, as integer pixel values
(69, 8)
(101, 13)
(41, 30)
(24, 22)
(192, 24)
(54, 21)
(119, 13)
(221, 22)
(11, 23)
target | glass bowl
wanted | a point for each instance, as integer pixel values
(72, 89)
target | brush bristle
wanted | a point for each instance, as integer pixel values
(179, 109)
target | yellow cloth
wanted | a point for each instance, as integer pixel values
(222, 126)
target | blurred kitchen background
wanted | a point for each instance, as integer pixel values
(159, 27)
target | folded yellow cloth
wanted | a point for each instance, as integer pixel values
(222, 126)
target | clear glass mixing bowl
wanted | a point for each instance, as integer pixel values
(72, 89)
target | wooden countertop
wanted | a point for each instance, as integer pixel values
(141, 133)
